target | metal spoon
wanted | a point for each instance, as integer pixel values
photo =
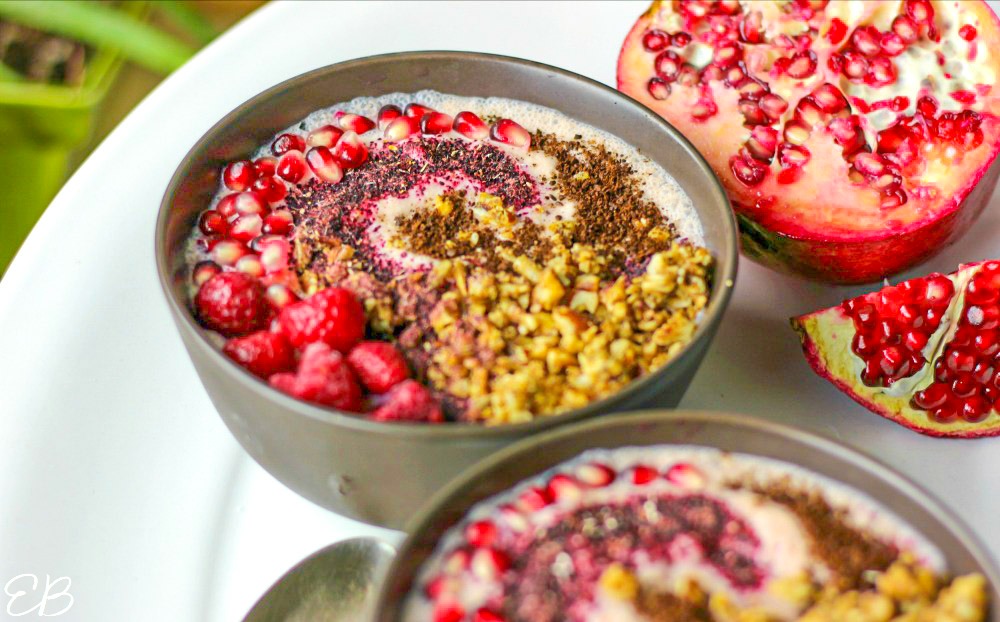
(336, 584)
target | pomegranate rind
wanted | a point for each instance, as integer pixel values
(826, 337)
(827, 228)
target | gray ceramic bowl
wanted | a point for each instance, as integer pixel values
(963, 552)
(381, 473)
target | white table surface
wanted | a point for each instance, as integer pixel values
(115, 470)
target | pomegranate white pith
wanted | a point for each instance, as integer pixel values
(923, 353)
(849, 135)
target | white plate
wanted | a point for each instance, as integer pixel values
(115, 470)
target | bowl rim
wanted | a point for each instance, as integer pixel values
(727, 259)
(939, 511)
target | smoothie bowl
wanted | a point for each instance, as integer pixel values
(383, 270)
(685, 517)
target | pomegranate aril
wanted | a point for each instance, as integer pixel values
(985, 343)
(595, 475)
(906, 28)
(796, 133)
(642, 475)
(658, 88)
(680, 39)
(203, 271)
(212, 222)
(915, 340)
(386, 114)
(959, 361)
(974, 409)
(685, 475)
(688, 76)
(533, 499)
(481, 533)
(508, 132)
(325, 136)
(920, 11)
(265, 166)
(324, 165)
(356, 123)
(246, 228)
(862, 345)
(934, 396)
(762, 143)
(401, 128)
(753, 90)
(829, 98)
(968, 32)
(250, 264)
(983, 372)
(274, 255)
(752, 114)
(837, 31)
(287, 142)
(727, 56)
(448, 612)
(227, 252)
(881, 72)
(892, 44)
(486, 615)
(855, 65)
(773, 106)
(468, 124)
(735, 76)
(752, 27)
(270, 189)
(802, 66)
(703, 109)
(668, 65)
(292, 167)
(807, 112)
(436, 123)
(415, 110)
(791, 155)
(246, 203)
(655, 40)
(869, 164)
(350, 152)
(280, 296)
(747, 170)
(239, 175)
(866, 40)
(562, 487)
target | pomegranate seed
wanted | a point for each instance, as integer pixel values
(882, 72)
(246, 228)
(508, 132)
(680, 39)
(920, 11)
(239, 175)
(975, 409)
(401, 128)
(212, 222)
(735, 76)
(562, 487)
(986, 343)
(658, 88)
(808, 112)
(829, 98)
(862, 345)
(893, 198)
(350, 152)
(983, 372)
(246, 203)
(438, 586)
(753, 90)
(270, 189)
(324, 136)
(855, 65)
(416, 110)
(265, 166)
(655, 40)
(468, 124)
(292, 167)
(837, 31)
(250, 264)
(927, 106)
(227, 206)
(486, 615)
(712, 73)
(228, 252)
(688, 76)
(727, 56)
(203, 271)
(790, 155)
(436, 123)
(595, 475)
(752, 114)
(979, 291)
(685, 475)
(456, 561)
(892, 44)
(280, 296)
(747, 170)
(274, 255)
(533, 499)
(448, 612)
(934, 396)
(866, 40)
(287, 142)
(959, 361)
(386, 114)
(796, 133)
(356, 123)
(481, 534)
(967, 32)
(802, 66)
(869, 164)
(703, 109)
(642, 475)
(752, 27)
(668, 65)
(887, 181)
(963, 96)
(906, 28)
(324, 165)
(773, 106)
(762, 143)
(848, 135)
(488, 564)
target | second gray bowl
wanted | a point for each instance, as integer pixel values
(381, 473)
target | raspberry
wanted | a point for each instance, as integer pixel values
(332, 316)
(232, 303)
(324, 378)
(409, 401)
(263, 353)
(379, 365)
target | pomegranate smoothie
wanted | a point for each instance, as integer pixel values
(679, 533)
(429, 257)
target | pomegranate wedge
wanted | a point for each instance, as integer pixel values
(924, 353)
(855, 139)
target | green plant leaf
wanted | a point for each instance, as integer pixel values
(102, 26)
(187, 19)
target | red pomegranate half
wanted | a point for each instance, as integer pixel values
(924, 353)
(855, 139)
